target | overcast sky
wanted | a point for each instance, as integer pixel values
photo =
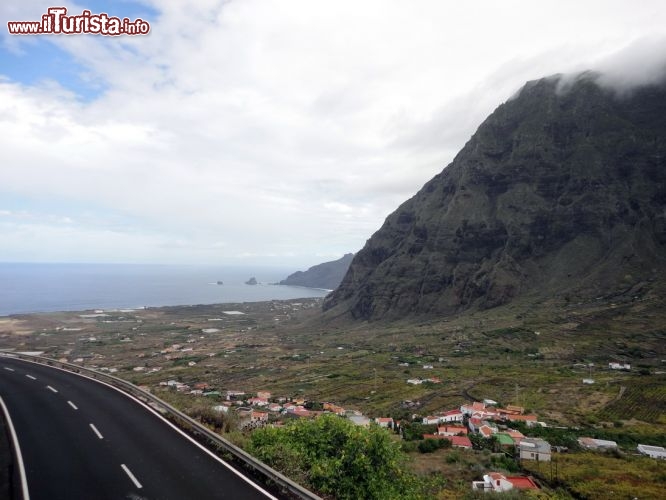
(268, 132)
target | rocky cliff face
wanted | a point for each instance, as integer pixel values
(558, 192)
(327, 275)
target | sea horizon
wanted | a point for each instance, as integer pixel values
(28, 287)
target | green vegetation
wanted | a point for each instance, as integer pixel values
(485, 354)
(645, 402)
(599, 476)
(429, 445)
(412, 431)
(335, 457)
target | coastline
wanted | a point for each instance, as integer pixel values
(43, 288)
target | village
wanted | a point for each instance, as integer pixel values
(472, 426)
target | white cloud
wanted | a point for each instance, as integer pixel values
(269, 128)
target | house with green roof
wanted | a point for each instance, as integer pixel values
(504, 439)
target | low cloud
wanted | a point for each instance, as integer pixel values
(294, 129)
(642, 62)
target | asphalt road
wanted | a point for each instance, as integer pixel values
(84, 440)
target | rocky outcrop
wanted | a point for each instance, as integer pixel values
(327, 275)
(559, 191)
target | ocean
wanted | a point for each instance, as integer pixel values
(28, 287)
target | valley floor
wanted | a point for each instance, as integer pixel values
(552, 359)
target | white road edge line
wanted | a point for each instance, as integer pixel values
(31, 377)
(131, 476)
(72, 405)
(173, 426)
(17, 448)
(99, 435)
(51, 388)
(9, 369)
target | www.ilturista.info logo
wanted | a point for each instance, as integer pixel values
(56, 22)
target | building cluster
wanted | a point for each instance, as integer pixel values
(482, 418)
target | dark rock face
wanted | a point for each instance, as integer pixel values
(556, 192)
(327, 275)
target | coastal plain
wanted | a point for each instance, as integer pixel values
(531, 353)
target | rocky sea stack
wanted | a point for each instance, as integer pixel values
(561, 192)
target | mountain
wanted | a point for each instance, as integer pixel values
(560, 193)
(327, 275)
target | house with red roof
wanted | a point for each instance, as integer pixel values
(457, 441)
(530, 420)
(477, 406)
(515, 435)
(460, 441)
(486, 431)
(299, 411)
(333, 408)
(451, 430)
(494, 481)
(259, 416)
(510, 410)
(474, 423)
(384, 421)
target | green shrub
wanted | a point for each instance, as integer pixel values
(337, 458)
(428, 445)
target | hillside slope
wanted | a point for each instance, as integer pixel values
(559, 192)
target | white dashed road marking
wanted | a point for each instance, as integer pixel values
(131, 476)
(99, 434)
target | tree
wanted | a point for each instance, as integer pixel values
(335, 457)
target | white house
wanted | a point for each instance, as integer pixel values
(473, 408)
(619, 366)
(452, 416)
(597, 444)
(360, 420)
(384, 421)
(258, 402)
(494, 481)
(451, 430)
(259, 416)
(652, 451)
(534, 449)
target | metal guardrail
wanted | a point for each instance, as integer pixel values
(257, 469)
